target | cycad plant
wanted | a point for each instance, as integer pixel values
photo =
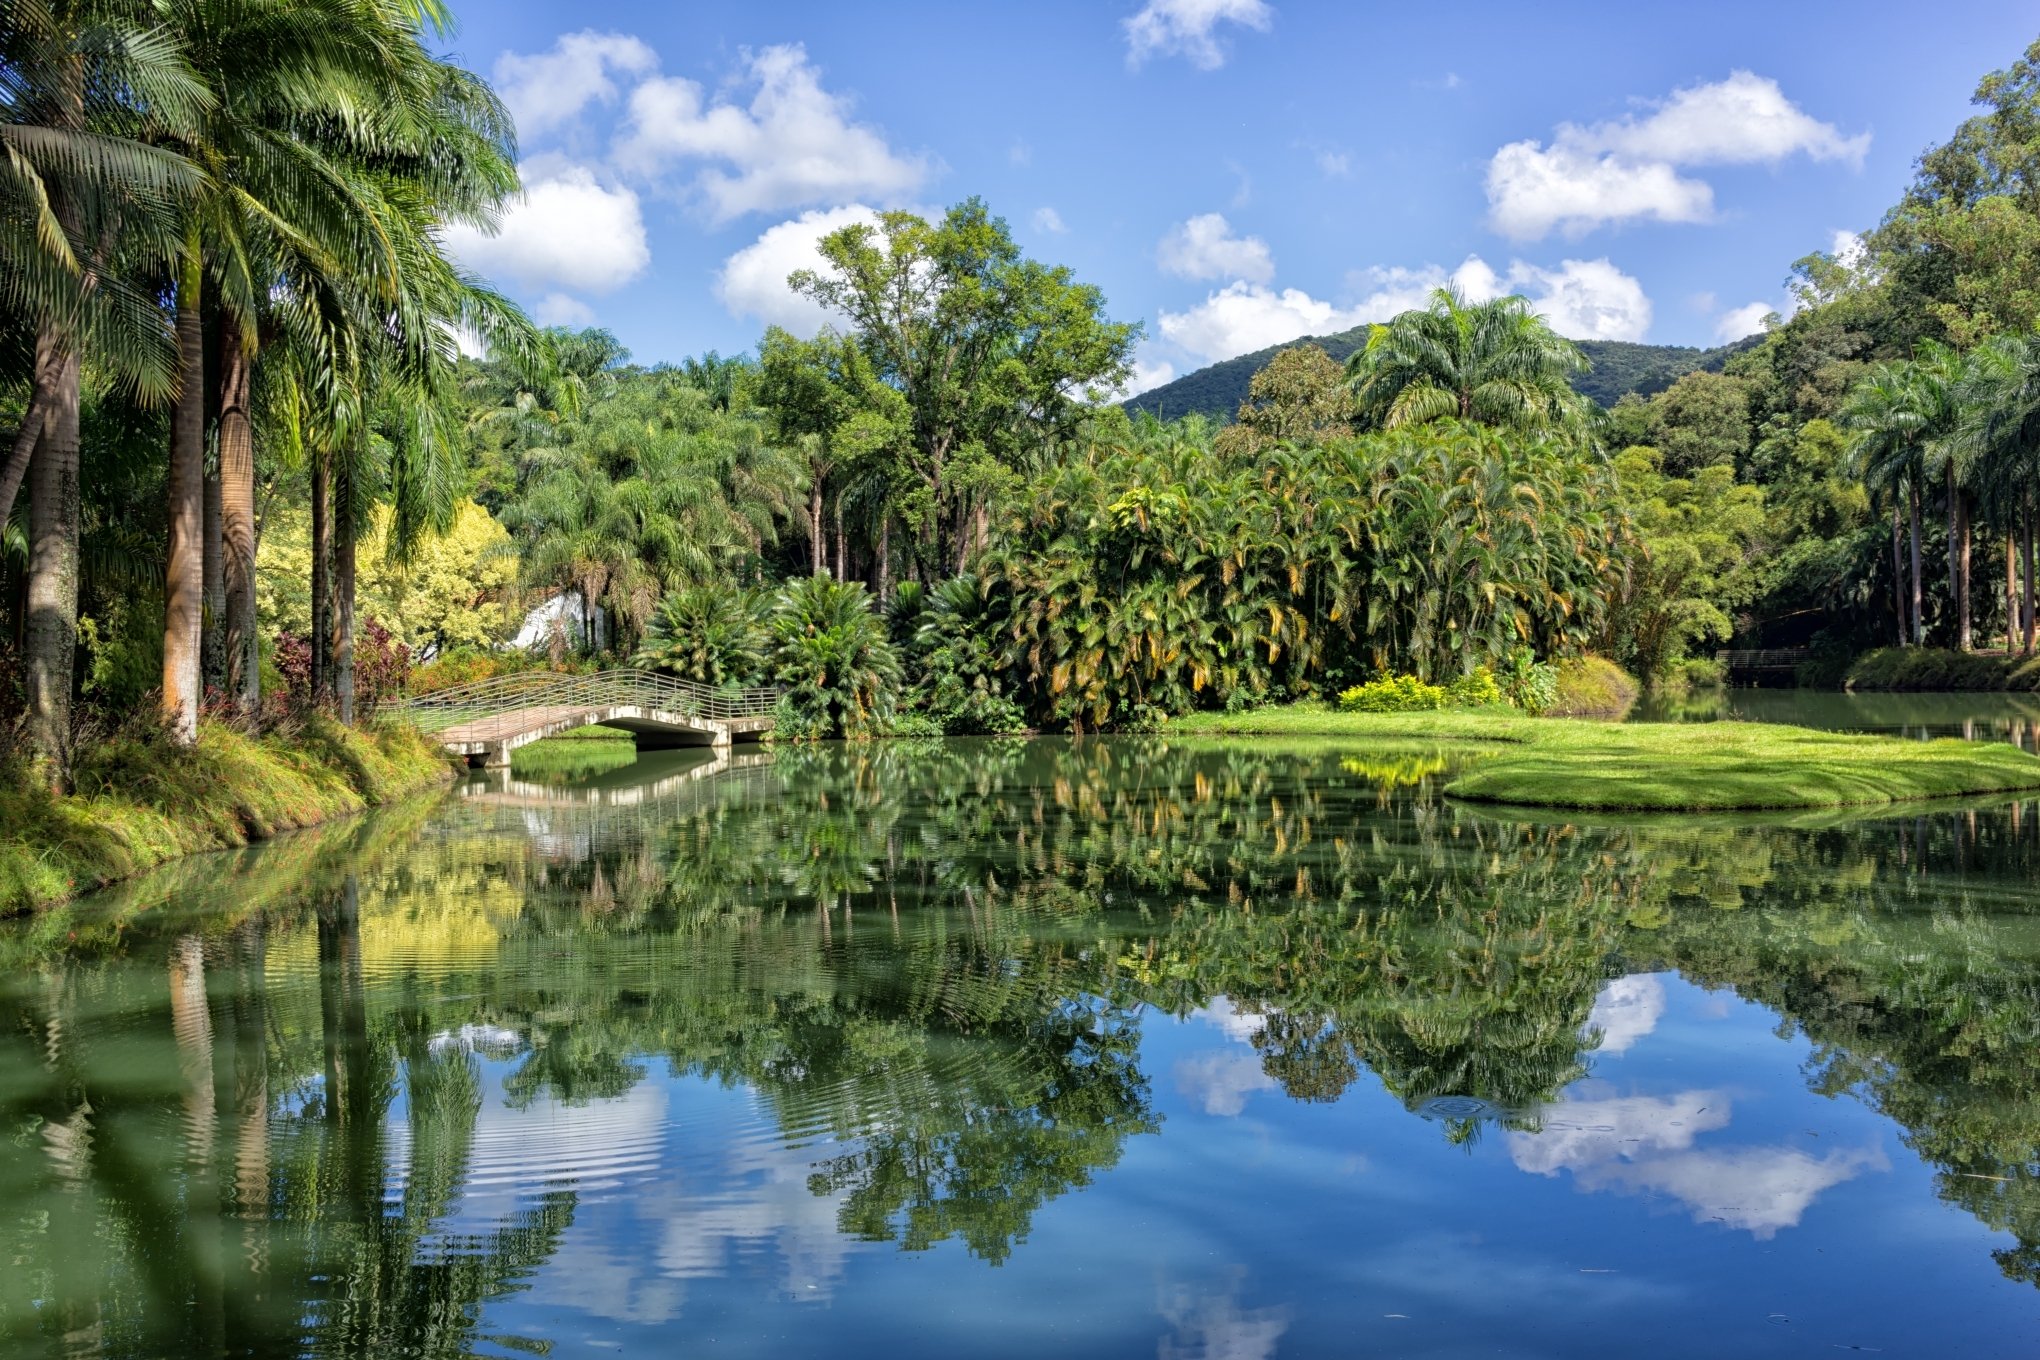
(712, 635)
(830, 651)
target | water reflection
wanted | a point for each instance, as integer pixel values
(716, 1038)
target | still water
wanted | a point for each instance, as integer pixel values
(1100, 1048)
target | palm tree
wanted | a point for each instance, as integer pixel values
(1900, 418)
(86, 220)
(2000, 431)
(1489, 363)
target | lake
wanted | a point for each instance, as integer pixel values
(1117, 1047)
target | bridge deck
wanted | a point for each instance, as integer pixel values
(487, 721)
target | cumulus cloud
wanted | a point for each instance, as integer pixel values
(1335, 164)
(566, 230)
(1748, 319)
(1221, 1082)
(1049, 220)
(1247, 316)
(559, 309)
(546, 89)
(752, 282)
(1187, 29)
(1206, 248)
(1627, 1009)
(1581, 299)
(1646, 1145)
(793, 144)
(1628, 169)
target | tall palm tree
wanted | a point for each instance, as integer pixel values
(1900, 418)
(2000, 431)
(86, 220)
(1489, 363)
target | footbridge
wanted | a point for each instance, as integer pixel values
(489, 719)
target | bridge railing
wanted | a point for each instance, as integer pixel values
(503, 702)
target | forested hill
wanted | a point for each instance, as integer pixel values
(1618, 366)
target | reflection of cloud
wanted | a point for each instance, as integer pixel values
(1212, 1326)
(1644, 1144)
(1237, 1024)
(761, 1200)
(1221, 1082)
(1626, 1010)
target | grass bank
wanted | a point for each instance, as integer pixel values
(141, 802)
(1652, 767)
(1938, 668)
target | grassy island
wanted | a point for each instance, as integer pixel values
(1650, 767)
(141, 802)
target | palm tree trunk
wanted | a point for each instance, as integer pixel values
(33, 422)
(212, 651)
(2011, 590)
(2029, 620)
(1898, 568)
(237, 528)
(884, 555)
(343, 590)
(842, 564)
(184, 570)
(815, 523)
(1963, 632)
(51, 644)
(1919, 617)
(322, 577)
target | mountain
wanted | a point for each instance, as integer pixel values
(1618, 366)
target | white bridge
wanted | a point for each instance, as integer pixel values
(489, 719)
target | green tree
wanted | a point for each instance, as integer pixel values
(712, 635)
(992, 354)
(1701, 420)
(1491, 363)
(830, 650)
(1899, 418)
(1300, 397)
(1697, 544)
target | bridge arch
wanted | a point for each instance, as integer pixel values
(486, 721)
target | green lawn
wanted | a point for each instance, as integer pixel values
(1659, 767)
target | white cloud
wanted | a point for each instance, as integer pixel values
(1206, 248)
(1627, 1009)
(1049, 220)
(1585, 299)
(558, 309)
(567, 229)
(1532, 190)
(1581, 299)
(1747, 319)
(1702, 302)
(545, 89)
(1184, 28)
(1335, 164)
(793, 144)
(1628, 169)
(1645, 1145)
(1745, 119)
(752, 282)
(1849, 251)
(1246, 316)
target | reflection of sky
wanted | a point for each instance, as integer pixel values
(1627, 1009)
(1253, 1226)
(1221, 1080)
(1646, 1145)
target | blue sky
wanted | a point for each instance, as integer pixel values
(1230, 172)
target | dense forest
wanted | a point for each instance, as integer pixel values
(1616, 368)
(252, 474)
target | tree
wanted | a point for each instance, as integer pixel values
(1491, 363)
(830, 650)
(2000, 430)
(89, 205)
(712, 635)
(1900, 418)
(993, 355)
(1700, 421)
(1299, 397)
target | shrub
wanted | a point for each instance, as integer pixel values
(712, 635)
(1593, 687)
(1393, 694)
(960, 678)
(830, 650)
(382, 666)
(1528, 683)
(1475, 689)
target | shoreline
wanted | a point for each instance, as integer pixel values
(143, 804)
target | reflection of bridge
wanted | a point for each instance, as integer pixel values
(1776, 663)
(626, 788)
(488, 720)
